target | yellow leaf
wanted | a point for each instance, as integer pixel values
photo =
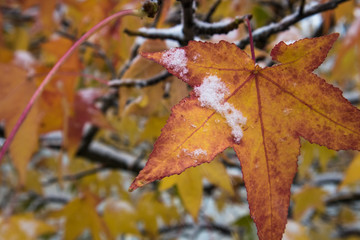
(33, 181)
(143, 69)
(190, 187)
(295, 231)
(189, 184)
(216, 173)
(120, 217)
(346, 216)
(16, 90)
(352, 173)
(308, 198)
(80, 214)
(310, 152)
(24, 227)
(153, 128)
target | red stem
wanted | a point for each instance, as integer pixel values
(250, 38)
(47, 79)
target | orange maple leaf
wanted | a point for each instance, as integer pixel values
(260, 112)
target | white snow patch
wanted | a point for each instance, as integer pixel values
(195, 153)
(123, 206)
(89, 95)
(199, 151)
(29, 227)
(25, 59)
(174, 32)
(176, 59)
(102, 175)
(288, 42)
(221, 24)
(212, 94)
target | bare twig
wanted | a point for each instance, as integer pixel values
(222, 27)
(212, 11)
(173, 33)
(74, 177)
(263, 33)
(98, 51)
(225, 230)
(187, 21)
(301, 8)
(140, 83)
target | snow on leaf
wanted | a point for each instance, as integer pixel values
(270, 144)
(211, 94)
(177, 60)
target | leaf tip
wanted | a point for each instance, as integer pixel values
(137, 183)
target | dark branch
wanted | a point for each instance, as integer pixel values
(187, 21)
(154, 33)
(110, 157)
(98, 51)
(225, 230)
(217, 28)
(212, 11)
(301, 8)
(140, 83)
(348, 231)
(343, 198)
(74, 177)
(133, 54)
(263, 33)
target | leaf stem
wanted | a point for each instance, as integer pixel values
(56, 67)
(247, 19)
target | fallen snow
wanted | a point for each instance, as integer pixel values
(212, 94)
(29, 227)
(173, 32)
(176, 59)
(221, 24)
(195, 153)
(199, 152)
(26, 60)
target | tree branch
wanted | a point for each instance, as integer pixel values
(187, 21)
(174, 33)
(212, 11)
(74, 177)
(221, 27)
(98, 51)
(140, 83)
(263, 33)
(209, 227)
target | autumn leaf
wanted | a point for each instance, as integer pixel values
(190, 187)
(308, 198)
(23, 226)
(309, 152)
(120, 217)
(80, 214)
(352, 173)
(84, 111)
(16, 90)
(149, 209)
(295, 231)
(260, 112)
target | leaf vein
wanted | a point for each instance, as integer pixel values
(265, 150)
(308, 105)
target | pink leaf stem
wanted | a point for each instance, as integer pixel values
(47, 79)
